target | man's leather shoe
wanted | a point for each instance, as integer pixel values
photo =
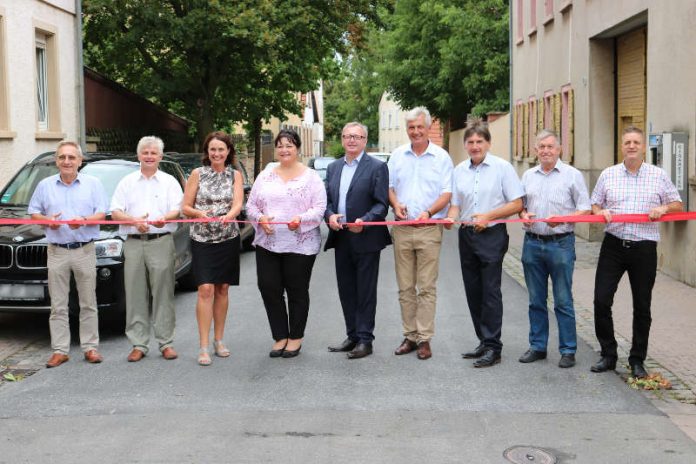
(605, 363)
(530, 356)
(488, 359)
(424, 351)
(346, 345)
(476, 353)
(93, 356)
(406, 347)
(57, 359)
(135, 355)
(360, 351)
(168, 353)
(638, 371)
(567, 360)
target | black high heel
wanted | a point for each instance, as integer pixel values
(291, 353)
(277, 353)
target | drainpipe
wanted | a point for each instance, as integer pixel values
(511, 105)
(80, 88)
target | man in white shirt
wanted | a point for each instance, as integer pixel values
(420, 178)
(148, 195)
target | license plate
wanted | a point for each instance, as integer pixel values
(21, 292)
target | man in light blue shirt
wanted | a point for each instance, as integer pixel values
(71, 196)
(552, 188)
(484, 188)
(420, 176)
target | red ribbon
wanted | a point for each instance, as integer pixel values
(635, 218)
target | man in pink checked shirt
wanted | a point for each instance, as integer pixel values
(630, 187)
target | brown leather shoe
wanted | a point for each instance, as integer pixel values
(424, 351)
(93, 356)
(168, 353)
(135, 355)
(57, 359)
(406, 347)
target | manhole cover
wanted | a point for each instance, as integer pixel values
(528, 455)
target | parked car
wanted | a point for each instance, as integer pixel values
(320, 165)
(23, 248)
(191, 161)
(380, 156)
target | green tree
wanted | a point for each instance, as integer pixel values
(217, 62)
(448, 55)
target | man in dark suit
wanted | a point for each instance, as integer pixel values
(357, 190)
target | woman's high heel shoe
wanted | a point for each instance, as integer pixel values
(204, 357)
(277, 353)
(292, 353)
(221, 350)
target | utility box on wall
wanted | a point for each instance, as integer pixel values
(669, 150)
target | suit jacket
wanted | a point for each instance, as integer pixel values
(367, 199)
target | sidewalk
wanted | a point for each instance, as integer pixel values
(672, 351)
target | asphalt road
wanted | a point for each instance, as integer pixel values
(323, 408)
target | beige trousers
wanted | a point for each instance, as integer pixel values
(82, 262)
(417, 258)
(149, 275)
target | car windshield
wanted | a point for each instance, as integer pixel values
(20, 190)
(109, 174)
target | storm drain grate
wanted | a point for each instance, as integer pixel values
(15, 375)
(528, 455)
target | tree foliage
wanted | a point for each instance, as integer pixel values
(448, 55)
(217, 62)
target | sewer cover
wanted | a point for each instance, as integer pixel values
(528, 455)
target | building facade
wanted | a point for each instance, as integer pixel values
(589, 68)
(39, 76)
(392, 126)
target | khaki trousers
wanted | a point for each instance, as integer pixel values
(149, 276)
(82, 263)
(417, 258)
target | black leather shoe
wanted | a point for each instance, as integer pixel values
(638, 371)
(605, 363)
(567, 360)
(346, 345)
(360, 351)
(291, 353)
(488, 359)
(530, 356)
(276, 353)
(476, 353)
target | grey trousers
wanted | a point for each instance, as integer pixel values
(82, 262)
(149, 275)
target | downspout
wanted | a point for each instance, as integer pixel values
(511, 106)
(80, 88)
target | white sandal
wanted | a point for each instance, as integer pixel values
(221, 350)
(204, 357)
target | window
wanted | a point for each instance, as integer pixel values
(46, 84)
(396, 119)
(383, 119)
(531, 134)
(548, 110)
(4, 92)
(518, 130)
(532, 17)
(390, 120)
(567, 129)
(520, 21)
(548, 11)
(41, 83)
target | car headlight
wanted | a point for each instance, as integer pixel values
(111, 248)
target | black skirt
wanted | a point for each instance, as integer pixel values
(216, 263)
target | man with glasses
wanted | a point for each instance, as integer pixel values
(70, 195)
(420, 178)
(357, 191)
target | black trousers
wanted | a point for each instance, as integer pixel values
(356, 275)
(278, 274)
(639, 260)
(481, 256)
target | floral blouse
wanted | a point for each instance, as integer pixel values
(215, 190)
(303, 196)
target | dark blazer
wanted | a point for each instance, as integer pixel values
(367, 199)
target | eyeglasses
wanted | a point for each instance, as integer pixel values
(353, 137)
